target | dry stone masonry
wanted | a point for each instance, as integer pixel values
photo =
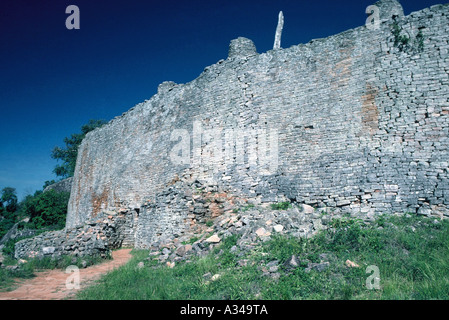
(61, 186)
(357, 122)
(97, 237)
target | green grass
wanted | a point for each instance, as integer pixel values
(412, 265)
(281, 206)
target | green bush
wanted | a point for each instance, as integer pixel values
(405, 43)
(5, 225)
(47, 209)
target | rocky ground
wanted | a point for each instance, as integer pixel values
(252, 225)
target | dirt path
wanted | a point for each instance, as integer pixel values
(51, 284)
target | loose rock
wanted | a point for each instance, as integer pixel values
(213, 239)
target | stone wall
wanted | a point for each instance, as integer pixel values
(61, 186)
(357, 122)
(97, 237)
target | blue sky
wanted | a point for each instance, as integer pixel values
(53, 80)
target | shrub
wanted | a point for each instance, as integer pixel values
(405, 43)
(420, 40)
(5, 225)
(48, 209)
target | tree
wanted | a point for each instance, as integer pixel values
(9, 197)
(1, 210)
(8, 207)
(69, 153)
(47, 209)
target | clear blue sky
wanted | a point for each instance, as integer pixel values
(53, 80)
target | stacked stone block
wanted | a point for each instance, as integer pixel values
(360, 122)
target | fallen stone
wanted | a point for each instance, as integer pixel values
(213, 239)
(320, 267)
(275, 275)
(272, 263)
(182, 250)
(425, 211)
(324, 257)
(292, 262)
(140, 265)
(261, 232)
(278, 228)
(12, 268)
(215, 277)
(243, 263)
(351, 264)
(238, 224)
(48, 250)
(273, 269)
(307, 209)
(207, 276)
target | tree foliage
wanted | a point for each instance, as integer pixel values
(8, 199)
(8, 207)
(69, 152)
(46, 209)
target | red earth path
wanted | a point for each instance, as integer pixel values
(51, 284)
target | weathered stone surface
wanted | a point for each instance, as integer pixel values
(182, 250)
(213, 239)
(242, 48)
(261, 232)
(48, 250)
(61, 186)
(351, 123)
(15, 233)
(388, 9)
(351, 264)
(361, 126)
(278, 35)
(308, 209)
(320, 267)
(293, 262)
(215, 277)
(99, 238)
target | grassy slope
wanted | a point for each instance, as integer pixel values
(412, 255)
